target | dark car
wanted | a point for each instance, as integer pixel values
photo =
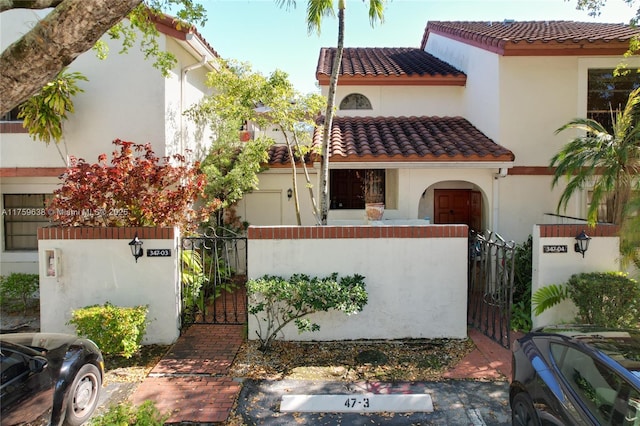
(576, 375)
(44, 372)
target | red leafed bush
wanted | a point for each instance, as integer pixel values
(136, 189)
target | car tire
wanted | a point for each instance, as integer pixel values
(522, 411)
(83, 395)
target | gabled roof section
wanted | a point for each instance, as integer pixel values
(410, 139)
(185, 33)
(387, 66)
(537, 38)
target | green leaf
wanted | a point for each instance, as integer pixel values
(548, 296)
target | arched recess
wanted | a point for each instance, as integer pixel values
(355, 101)
(455, 202)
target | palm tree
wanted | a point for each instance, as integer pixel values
(316, 11)
(610, 161)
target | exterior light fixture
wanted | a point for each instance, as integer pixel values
(289, 193)
(582, 243)
(136, 247)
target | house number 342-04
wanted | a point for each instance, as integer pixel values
(159, 253)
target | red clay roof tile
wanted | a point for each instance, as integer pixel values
(404, 139)
(387, 65)
(537, 38)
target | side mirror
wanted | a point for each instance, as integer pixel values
(37, 364)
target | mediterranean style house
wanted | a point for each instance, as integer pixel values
(124, 98)
(461, 129)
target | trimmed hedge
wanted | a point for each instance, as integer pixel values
(116, 330)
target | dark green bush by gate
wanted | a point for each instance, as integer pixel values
(609, 299)
(605, 298)
(116, 330)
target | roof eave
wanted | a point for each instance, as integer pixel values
(471, 162)
(566, 48)
(405, 80)
(539, 48)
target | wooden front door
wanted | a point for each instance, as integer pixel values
(458, 206)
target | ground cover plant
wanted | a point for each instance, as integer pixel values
(384, 360)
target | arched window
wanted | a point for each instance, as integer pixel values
(355, 101)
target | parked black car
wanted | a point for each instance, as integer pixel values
(576, 375)
(47, 371)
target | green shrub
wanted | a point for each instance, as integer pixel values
(521, 309)
(282, 301)
(17, 291)
(116, 330)
(605, 298)
(609, 299)
(125, 414)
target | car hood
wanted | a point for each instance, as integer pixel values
(41, 341)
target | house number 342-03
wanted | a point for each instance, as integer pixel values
(159, 253)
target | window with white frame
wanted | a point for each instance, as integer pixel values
(608, 92)
(22, 215)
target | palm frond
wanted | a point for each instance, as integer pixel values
(376, 11)
(548, 296)
(316, 11)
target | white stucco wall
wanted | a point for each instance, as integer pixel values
(603, 255)
(397, 101)
(411, 188)
(270, 205)
(125, 97)
(96, 271)
(520, 102)
(417, 287)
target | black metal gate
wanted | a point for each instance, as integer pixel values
(490, 294)
(213, 278)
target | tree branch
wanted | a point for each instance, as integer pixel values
(27, 4)
(71, 29)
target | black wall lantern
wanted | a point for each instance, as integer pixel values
(136, 247)
(289, 193)
(582, 243)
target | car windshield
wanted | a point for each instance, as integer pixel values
(623, 346)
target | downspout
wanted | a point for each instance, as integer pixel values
(502, 172)
(183, 80)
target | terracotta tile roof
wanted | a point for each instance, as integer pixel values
(538, 38)
(410, 139)
(387, 66)
(173, 27)
(279, 156)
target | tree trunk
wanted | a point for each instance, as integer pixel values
(72, 28)
(328, 121)
(294, 177)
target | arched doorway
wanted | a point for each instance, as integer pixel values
(453, 202)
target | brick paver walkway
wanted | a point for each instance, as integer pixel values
(192, 380)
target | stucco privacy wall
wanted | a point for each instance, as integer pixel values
(556, 266)
(95, 265)
(416, 276)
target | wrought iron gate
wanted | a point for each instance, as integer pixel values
(213, 277)
(490, 294)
